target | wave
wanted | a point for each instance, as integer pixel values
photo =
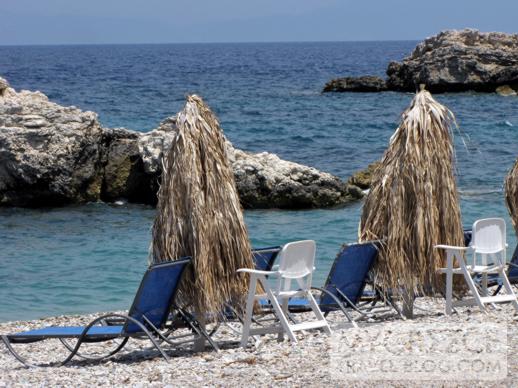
(479, 192)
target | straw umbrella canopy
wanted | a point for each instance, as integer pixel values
(199, 213)
(511, 194)
(413, 203)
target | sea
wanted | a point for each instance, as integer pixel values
(88, 258)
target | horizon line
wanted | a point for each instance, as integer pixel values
(200, 43)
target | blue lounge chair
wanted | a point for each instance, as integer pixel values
(146, 318)
(345, 283)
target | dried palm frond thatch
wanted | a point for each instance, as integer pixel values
(199, 213)
(511, 194)
(413, 202)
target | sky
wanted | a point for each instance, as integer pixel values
(188, 21)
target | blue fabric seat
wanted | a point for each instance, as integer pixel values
(70, 332)
(146, 318)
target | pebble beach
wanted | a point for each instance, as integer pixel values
(313, 361)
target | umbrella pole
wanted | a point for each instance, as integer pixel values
(408, 304)
(199, 343)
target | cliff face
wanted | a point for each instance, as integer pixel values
(451, 61)
(52, 155)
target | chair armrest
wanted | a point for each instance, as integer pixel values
(454, 248)
(256, 271)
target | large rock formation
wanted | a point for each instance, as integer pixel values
(452, 61)
(264, 178)
(49, 154)
(53, 155)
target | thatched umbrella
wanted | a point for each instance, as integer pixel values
(511, 194)
(199, 213)
(413, 203)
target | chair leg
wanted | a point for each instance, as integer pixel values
(449, 282)
(113, 352)
(342, 306)
(280, 335)
(27, 364)
(195, 326)
(316, 310)
(127, 318)
(497, 290)
(247, 322)
(471, 285)
(16, 355)
(508, 288)
(280, 314)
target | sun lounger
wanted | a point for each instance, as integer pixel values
(147, 318)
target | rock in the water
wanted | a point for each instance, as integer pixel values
(451, 61)
(366, 83)
(49, 154)
(363, 178)
(455, 61)
(53, 155)
(264, 180)
(506, 90)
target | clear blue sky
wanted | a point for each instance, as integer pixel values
(164, 21)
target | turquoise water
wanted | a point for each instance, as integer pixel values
(267, 96)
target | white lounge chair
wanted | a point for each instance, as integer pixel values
(296, 265)
(487, 252)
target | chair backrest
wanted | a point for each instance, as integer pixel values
(156, 294)
(297, 259)
(489, 236)
(264, 258)
(349, 272)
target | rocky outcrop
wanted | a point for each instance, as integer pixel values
(49, 154)
(264, 178)
(366, 83)
(453, 61)
(52, 155)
